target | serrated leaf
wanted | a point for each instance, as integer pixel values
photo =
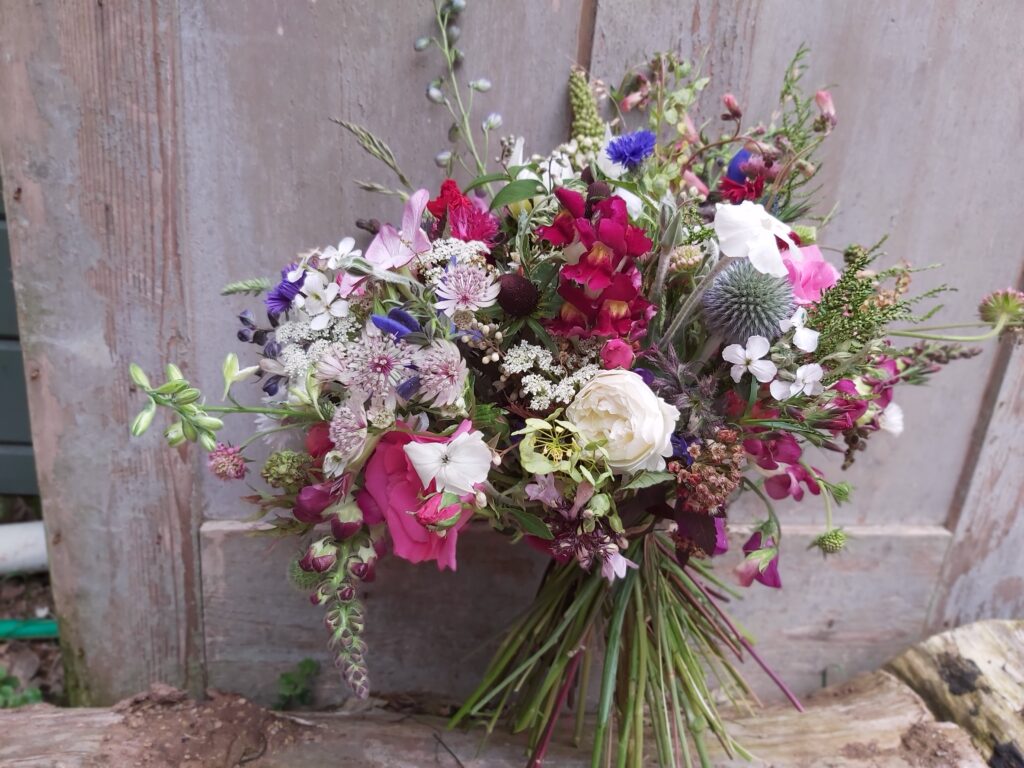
(531, 524)
(648, 479)
(516, 191)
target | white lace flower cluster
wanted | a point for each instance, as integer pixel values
(431, 265)
(302, 346)
(546, 382)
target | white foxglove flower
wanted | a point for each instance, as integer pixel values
(748, 231)
(455, 466)
(749, 359)
(891, 419)
(332, 257)
(320, 300)
(805, 339)
(807, 382)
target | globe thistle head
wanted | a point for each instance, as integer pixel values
(831, 542)
(743, 302)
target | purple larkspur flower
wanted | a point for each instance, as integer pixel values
(279, 298)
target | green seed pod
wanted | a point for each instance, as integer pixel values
(831, 542)
(138, 376)
(586, 121)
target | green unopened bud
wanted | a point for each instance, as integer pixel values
(138, 376)
(174, 435)
(457, 6)
(173, 372)
(172, 387)
(189, 431)
(435, 94)
(492, 122)
(831, 542)
(454, 33)
(186, 396)
(482, 84)
(443, 158)
(421, 44)
(209, 423)
(207, 441)
(141, 422)
(1005, 306)
(287, 470)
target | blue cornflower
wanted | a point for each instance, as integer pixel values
(279, 299)
(735, 170)
(631, 149)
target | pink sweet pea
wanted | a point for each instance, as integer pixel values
(809, 273)
(392, 249)
(749, 570)
(392, 493)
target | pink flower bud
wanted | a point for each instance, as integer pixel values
(827, 121)
(617, 353)
(321, 556)
(346, 522)
(732, 107)
(311, 503)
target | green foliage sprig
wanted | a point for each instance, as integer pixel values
(12, 694)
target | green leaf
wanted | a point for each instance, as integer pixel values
(515, 191)
(254, 286)
(531, 524)
(487, 178)
(647, 479)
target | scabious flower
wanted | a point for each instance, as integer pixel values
(286, 469)
(226, 462)
(466, 219)
(631, 149)
(279, 298)
(442, 373)
(466, 288)
(748, 359)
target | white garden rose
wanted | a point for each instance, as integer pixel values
(636, 425)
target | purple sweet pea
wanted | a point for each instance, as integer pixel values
(757, 549)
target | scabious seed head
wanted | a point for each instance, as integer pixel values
(287, 470)
(518, 295)
(743, 302)
(1006, 305)
(831, 542)
(226, 462)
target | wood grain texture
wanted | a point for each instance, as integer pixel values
(974, 676)
(431, 632)
(983, 576)
(929, 109)
(90, 146)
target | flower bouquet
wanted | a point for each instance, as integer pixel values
(594, 351)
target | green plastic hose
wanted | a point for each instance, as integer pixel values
(28, 629)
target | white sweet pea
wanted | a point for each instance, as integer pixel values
(748, 231)
(805, 339)
(455, 466)
(320, 300)
(891, 419)
(807, 382)
(332, 256)
(749, 359)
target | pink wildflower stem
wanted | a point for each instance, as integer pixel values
(750, 649)
(537, 758)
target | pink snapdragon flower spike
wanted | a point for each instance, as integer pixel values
(393, 249)
(761, 563)
(808, 273)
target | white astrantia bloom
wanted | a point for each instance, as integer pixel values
(332, 256)
(320, 300)
(466, 288)
(891, 419)
(807, 382)
(749, 359)
(455, 466)
(748, 231)
(805, 339)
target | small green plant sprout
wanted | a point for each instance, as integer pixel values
(295, 687)
(13, 695)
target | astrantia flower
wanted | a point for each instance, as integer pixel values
(805, 339)
(347, 432)
(457, 465)
(748, 360)
(279, 299)
(442, 373)
(466, 288)
(373, 364)
(226, 462)
(748, 231)
(320, 300)
(807, 382)
(631, 149)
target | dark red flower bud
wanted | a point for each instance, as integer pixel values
(518, 296)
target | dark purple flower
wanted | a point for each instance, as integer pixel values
(735, 170)
(749, 570)
(631, 149)
(680, 446)
(279, 299)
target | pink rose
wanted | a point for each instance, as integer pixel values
(809, 273)
(617, 353)
(392, 493)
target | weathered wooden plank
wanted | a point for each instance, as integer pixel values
(433, 632)
(983, 576)
(924, 101)
(91, 145)
(974, 676)
(874, 721)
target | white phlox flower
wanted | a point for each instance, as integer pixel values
(455, 466)
(749, 359)
(807, 382)
(805, 339)
(748, 231)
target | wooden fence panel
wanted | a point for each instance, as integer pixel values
(91, 148)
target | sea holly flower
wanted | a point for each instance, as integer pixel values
(748, 231)
(761, 562)
(457, 465)
(807, 381)
(393, 249)
(748, 359)
(466, 288)
(805, 339)
(320, 300)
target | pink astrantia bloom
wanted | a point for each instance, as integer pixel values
(809, 273)
(760, 551)
(466, 288)
(442, 373)
(393, 493)
(393, 249)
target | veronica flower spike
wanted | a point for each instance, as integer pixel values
(749, 360)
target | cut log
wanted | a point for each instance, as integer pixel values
(974, 676)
